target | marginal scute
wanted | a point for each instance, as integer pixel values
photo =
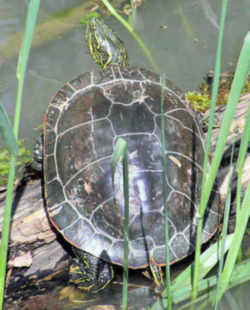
(51, 118)
(101, 244)
(66, 217)
(116, 252)
(49, 148)
(159, 253)
(81, 234)
(81, 81)
(50, 168)
(62, 96)
(181, 245)
(67, 90)
(140, 251)
(55, 193)
(141, 244)
(181, 207)
(209, 223)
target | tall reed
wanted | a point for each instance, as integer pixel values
(120, 154)
(33, 9)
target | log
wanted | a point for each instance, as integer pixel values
(233, 138)
(35, 250)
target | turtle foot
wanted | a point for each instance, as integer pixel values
(89, 272)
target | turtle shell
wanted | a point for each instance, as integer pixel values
(81, 126)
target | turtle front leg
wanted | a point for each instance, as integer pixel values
(89, 272)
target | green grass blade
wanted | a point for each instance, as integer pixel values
(240, 229)
(208, 260)
(183, 292)
(132, 16)
(27, 40)
(120, 151)
(24, 55)
(204, 197)
(7, 132)
(237, 86)
(182, 285)
(224, 234)
(146, 51)
(181, 288)
(241, 159)
(244, 143)
(5, 227)
(164, 190)
(21, 68)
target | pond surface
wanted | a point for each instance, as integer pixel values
(182, 36)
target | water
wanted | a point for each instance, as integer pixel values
(185, 49)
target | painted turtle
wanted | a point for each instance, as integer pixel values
(81, 126)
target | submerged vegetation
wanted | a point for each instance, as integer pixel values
(201, 100)
(24, 157)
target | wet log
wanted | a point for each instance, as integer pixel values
(34, 250)
(233, 141)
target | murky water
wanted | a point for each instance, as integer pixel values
(182, 36)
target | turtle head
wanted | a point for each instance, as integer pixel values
(105, 47)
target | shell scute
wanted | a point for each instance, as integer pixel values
(50, 119)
